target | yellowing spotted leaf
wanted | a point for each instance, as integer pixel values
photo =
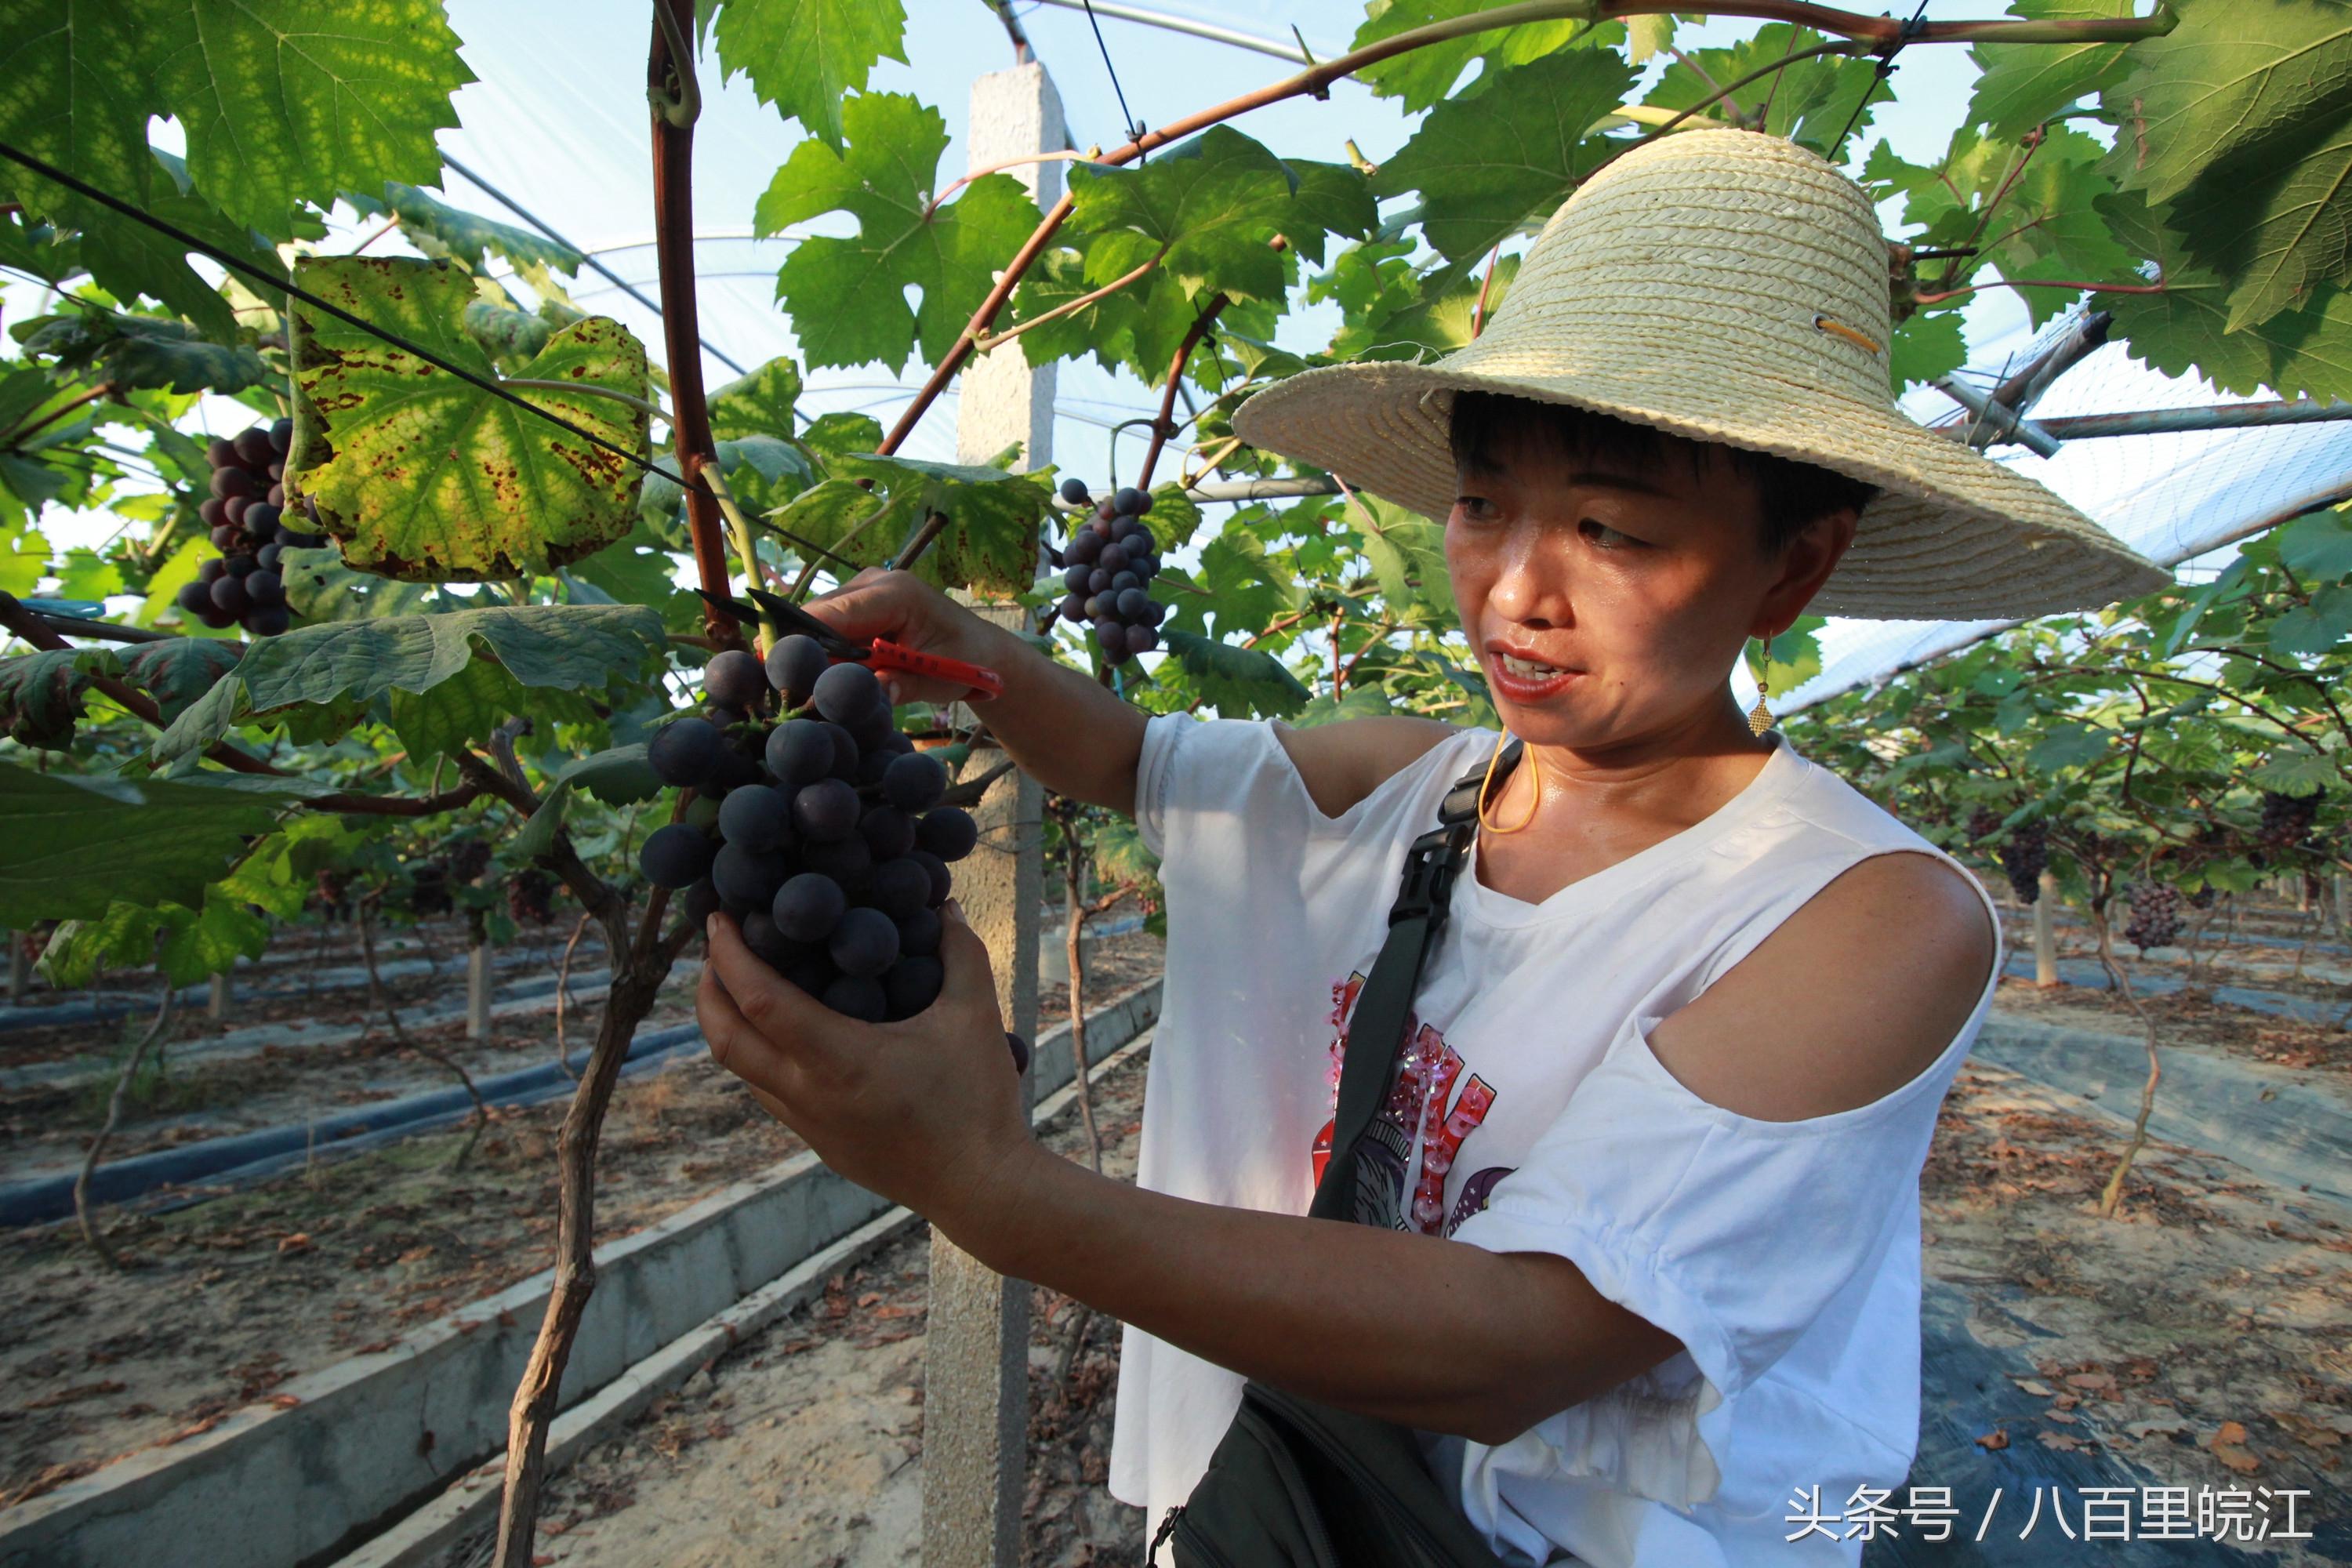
(421, 476)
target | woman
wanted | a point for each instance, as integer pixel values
(1680, 1049)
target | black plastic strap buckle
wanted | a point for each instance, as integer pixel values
(1430, 865)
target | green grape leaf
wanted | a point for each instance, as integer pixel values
(136, 353)
(284, 104)
(1210, 208)
(71, 846)
(991, 541)
(1811, 101)
(445, 233)
(2241, 119)
(1244, 590)
(639, 571)
(760, 403)
(211, 941)
(2294, 773)
(2248, 78)
(2185, 330)
(2314, 627)
(177, 672)
(1329, 198)
(510, 337)
(2317, 545)
(1358, 702)
(2068, 745)
(1486, 165)
(463, 710)
(321, 588)
(567, 646)
(1174, 516)
(1121, 855)
(2048, 225)
(1138, 327)
(1422, 317)
(2025, 84)
(77, 95)
(842, 433)
(122, 938)
(617, 777)
(1927, 346)
(1407, 553)
(1237, 679)
(2275, 222)
(847, 296)
(806, 56)
(502, 494)
(42, 692)
(1423, 77)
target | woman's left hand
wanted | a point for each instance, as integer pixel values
(927, 1112)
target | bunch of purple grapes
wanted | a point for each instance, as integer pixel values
(2023, 858)
(531, 897)
(2154, 916)
(2287, 819)
(1108, 565)
(830, 843)
(245, 512)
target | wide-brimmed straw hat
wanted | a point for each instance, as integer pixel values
(1725, 286)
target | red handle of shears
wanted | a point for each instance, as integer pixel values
(887, 655)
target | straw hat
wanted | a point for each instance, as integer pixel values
(1725, 286)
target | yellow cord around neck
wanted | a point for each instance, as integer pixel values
(1486, 787)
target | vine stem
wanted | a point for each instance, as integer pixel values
(674, 252)
(14, 437)
(1164, 424)
(2040, 283)
(589, 389)
(1316, 82)
(82, 1215)
(1089, 155)
(987, 340)
(746, 547)
(641, 959)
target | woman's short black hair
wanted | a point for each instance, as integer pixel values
(1790, 494)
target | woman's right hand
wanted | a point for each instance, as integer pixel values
(902, 608)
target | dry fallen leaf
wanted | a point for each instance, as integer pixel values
(2228, 1445)
(2035, 1386)
(2065, 1443)
(1994, 1440)
(2094, 1382)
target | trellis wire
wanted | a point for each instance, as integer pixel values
(264, 275)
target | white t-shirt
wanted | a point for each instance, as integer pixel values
(1532, 1117)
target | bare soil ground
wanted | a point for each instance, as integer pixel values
(2205, 1334)
(804, 1444)
(2187, 1019)
(235, 1296)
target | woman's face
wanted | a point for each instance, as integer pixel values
(1608, 602)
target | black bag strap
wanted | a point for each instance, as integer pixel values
(1376, 1027)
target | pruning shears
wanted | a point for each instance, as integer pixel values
(877, 653)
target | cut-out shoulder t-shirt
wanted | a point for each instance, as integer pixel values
(1530, 1116)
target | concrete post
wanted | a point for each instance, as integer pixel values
(2045, 933)
(20, 968)
(216, 1002)
(2342, 888)
(976, 1350)
(477, 991)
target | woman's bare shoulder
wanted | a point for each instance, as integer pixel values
(1341, 763)
(1850, 999)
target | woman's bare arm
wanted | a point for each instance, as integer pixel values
(1064, 729)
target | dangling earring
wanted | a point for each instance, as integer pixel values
(1487, 785)
(1759, 718)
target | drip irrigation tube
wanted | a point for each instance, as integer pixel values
(243, 1157)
